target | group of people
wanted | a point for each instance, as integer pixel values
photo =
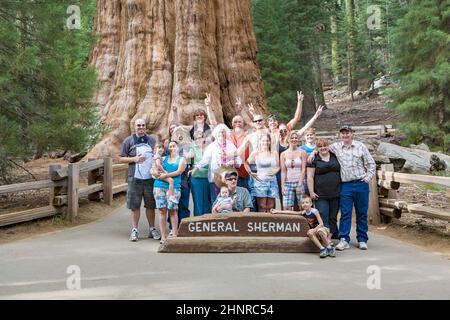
(257, 164)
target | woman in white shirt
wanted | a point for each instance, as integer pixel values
(216, 156)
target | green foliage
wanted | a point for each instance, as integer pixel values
(421, 66)
(277, 57)
(46, 84)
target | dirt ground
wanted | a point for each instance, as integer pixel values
(361, 112)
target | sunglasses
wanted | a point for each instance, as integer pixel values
(231, 179)
(140, 125)
(260, 120)
(283, 130)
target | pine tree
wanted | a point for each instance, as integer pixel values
(46, 84)
(422, 68)
(277, 57)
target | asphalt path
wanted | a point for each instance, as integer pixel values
(96, 261)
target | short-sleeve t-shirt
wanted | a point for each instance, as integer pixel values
(307, 149)
(311, 217)
(327, 177)
(133, 146)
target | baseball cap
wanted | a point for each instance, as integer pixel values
(231, 173)
(345, 127)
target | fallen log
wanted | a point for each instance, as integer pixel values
(428, 212)
(391, 212)
(393, 203)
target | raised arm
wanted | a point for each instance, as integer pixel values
(303, 172)
(310, 123)
(173, 117)
(245, 112)
(298, 112)
(211, 116)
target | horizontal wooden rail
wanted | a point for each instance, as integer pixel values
(27, 215)
(82, 193)
(428, 212)
(120, 188)
(391, 212)
(413, 178)
(84, 167)
(392, 203)
(27, 186)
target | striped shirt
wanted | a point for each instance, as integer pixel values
(356, 161)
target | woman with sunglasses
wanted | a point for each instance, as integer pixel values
(265, 182)
(293, 170)
(216, 156)
(324, 184)
(200, 117)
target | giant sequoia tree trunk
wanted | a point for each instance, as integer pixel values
(152, 54)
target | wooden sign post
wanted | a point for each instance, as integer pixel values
(241, 232)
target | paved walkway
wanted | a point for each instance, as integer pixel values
(111, 267)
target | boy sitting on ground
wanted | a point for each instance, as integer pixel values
(318, 234)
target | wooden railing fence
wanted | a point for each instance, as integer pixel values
(65, 190)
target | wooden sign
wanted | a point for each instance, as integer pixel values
(241, 232)
(244, 225)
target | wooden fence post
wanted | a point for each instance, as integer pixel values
(373, 213)
(390, 193)
(92, 179)
(55, 190)
(72, 190)
(108, 181)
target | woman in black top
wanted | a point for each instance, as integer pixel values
(323, 176)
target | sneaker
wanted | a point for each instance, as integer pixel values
(343, 244)
(323, 253)
(363, 245)
(134, 235)
(331, 252)
(170, 233)
(162, 241)
(154, 233)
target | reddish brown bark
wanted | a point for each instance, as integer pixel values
(155, 53)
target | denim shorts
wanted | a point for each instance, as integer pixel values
(163, 201)
(266, 188)
(138, 189)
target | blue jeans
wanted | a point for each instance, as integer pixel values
(200, 195)
(213, 192)
(251, 186)
(328, 209)
(354, 193)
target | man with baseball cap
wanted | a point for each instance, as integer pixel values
(357, 169)
(243, 201)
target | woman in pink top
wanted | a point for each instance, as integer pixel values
(293, 169)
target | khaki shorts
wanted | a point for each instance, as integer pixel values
(323, 232)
